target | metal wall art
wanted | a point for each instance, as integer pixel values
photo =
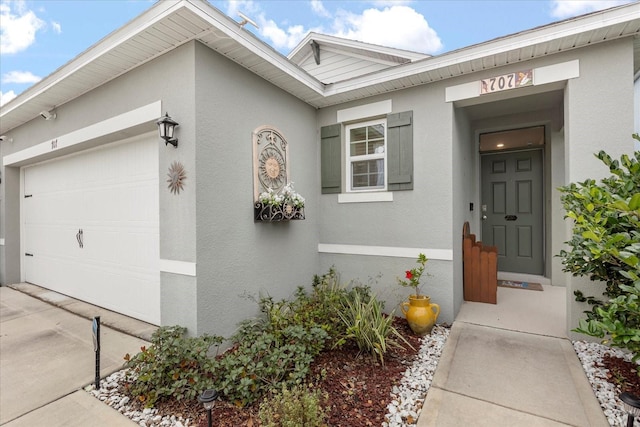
(270, 161)
(274, 197)
(177, 176)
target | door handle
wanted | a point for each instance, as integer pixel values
(484, 217)
(80, 238)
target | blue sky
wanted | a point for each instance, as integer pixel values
(39, 36)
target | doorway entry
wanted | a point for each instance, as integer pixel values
(512, 208)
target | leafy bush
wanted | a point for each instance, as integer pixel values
(606, 224)
(366, 324)
(173, 366)
(617, 321)
(299, 406)
(265, 359)
(605, 246)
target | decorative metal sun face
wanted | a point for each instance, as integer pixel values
(271, 168)
(270, 160)
(176, 175)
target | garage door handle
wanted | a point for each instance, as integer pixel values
(79, 238)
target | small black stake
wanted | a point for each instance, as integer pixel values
(96, 347)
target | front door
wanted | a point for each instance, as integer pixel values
(512, 209)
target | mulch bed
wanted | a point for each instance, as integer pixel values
(623, 373)
(358, 388)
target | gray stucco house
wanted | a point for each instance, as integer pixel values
(392, 150)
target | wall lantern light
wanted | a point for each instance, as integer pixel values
(631, 404)
(166, 127)
(208, 399)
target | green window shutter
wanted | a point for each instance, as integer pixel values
(400, 151)
(331, 159)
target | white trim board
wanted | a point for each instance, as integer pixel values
(1, 242)
(145, 114)
(365, 197)
(178, 267)
(364, 111)
(541, 75)
(386, 251)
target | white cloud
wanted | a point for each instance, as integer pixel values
(319, 9)
(57, 28)
(18, 26)
(6, 97)
(569, 8)
(20, 77)
(281, 38)
(383, 3)
(396, 26)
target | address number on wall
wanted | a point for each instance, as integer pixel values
(506, 82)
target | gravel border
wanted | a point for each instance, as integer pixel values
(590, 355)
(408, 397)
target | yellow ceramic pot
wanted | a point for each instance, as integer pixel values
(420, 313)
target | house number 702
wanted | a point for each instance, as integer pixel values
(54, 144)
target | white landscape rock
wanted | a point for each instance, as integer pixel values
(407, 397)
(590, 355)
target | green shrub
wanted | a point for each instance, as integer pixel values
(299, 406)
(174, 366)
(616, 320)
(606, 224)
(605, 246)
(367, 326)
(265, 359)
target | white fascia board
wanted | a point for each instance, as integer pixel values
(517, 41)
(155, 14)
(257, 47)
(354, 44)
(147, 19)
(145, 114)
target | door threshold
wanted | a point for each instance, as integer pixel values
(522, 277)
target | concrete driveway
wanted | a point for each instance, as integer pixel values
(47, 356)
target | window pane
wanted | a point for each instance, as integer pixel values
(376, 131)
(376, 147)
(358, 134)
(367, 174)
(359, 149)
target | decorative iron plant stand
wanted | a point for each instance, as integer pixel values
(275, 213)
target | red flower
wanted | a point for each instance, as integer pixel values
(409, 275)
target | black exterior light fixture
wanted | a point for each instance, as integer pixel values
(631, 404)
(166, 127)
(208, 400)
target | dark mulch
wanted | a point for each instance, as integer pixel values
(622, 373)
(358, 388)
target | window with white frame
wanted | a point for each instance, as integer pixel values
(366, 155)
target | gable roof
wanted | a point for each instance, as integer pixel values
(331, 59)
(171, 23)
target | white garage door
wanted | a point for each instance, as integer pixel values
(91, 227)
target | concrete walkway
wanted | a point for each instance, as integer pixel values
(511, 364)
(47, 357)
(503, 365)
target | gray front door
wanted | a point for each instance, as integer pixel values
(512, 209)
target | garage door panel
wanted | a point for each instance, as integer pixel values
(125, 246)
(111, 194)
